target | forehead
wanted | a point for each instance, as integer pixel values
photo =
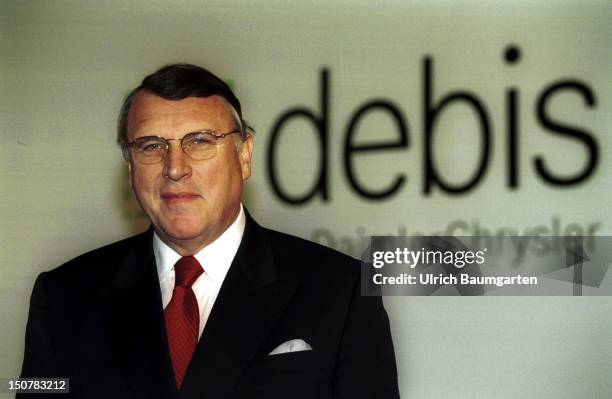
(154, 115)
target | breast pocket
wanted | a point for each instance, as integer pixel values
(294, 375)
(292, 361)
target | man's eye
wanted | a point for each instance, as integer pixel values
(202, 141)
(152, 147)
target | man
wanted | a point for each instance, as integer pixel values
(206, 304)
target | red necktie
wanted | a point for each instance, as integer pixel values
(183, 316)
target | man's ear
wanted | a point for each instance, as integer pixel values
(129, 164)
(245, 154)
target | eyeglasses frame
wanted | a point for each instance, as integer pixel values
(167, 140)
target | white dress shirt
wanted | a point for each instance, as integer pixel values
(215, 259)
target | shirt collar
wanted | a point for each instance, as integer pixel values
(216, 258)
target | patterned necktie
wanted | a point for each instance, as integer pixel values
(183, 316)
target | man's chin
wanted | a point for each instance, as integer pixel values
(181, 234)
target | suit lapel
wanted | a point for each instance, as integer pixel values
(251, 299)
(133, 310)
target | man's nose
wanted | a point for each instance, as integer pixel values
(176, 164)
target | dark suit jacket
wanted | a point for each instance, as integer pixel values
(98, 320)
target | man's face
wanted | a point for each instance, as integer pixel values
(190, 203)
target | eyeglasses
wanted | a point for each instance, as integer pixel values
(198, 146)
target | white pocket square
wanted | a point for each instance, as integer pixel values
(295, 345)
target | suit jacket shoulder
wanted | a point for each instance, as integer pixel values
(307, 257)
(86, 274)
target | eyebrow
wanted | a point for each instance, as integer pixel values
(214, 132)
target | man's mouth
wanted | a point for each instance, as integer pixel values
(173, 198)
